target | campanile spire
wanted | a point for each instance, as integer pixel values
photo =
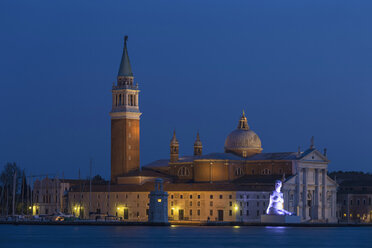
(125, 121)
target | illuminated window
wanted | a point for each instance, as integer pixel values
(159, 200)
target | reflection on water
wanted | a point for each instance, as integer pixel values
(182, 236)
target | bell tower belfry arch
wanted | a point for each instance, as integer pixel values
(125, 121)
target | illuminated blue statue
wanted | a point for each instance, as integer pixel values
(276, 201)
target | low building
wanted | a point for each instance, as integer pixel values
(50, 195)
(354, 200)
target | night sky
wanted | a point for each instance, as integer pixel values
(297, 68)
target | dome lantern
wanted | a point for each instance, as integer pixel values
(243, 141)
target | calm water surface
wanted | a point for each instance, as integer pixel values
(121, 236)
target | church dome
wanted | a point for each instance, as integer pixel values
(243, 141)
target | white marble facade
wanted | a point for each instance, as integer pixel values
(310, 192)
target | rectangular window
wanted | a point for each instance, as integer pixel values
(220, 196)
(211, 212)
(190, 212)
(190, 203)
(247, 212)
(198, 196)
(147, 212)
(190, 196)
(211, 204)
(171, 196)
(181, 196)
(241, 212)
(258, 204)
(171, 211)
(258, 212)
(230, 196)
(247, 204)
(241, 196)
(198, 203)
(171, 203)
(211, 196)
(230, 212)
(230, 204)
(241, 204)
(198, 212)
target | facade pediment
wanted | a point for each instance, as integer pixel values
(314, 156)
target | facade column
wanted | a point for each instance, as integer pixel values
(324, 192)
(304, 194)
(298, 189)
(316, 198)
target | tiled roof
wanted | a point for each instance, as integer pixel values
(230, 156)
(149, 186)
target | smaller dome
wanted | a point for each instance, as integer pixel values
(243, 141)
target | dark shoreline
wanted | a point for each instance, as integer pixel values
(114, 223)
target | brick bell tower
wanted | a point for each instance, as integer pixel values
(125, 121)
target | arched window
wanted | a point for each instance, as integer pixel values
(266, 172)
(183, 171)
(238, 171)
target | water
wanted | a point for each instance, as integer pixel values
(181, 236)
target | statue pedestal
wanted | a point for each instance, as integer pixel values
(280, 219)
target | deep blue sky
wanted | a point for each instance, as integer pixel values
(298, 68)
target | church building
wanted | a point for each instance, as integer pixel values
(233, 185)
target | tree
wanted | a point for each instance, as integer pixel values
(6, 181)
(97, 179)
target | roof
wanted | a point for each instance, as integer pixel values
(149, 186)
(146, 173)
(228, 156)
(125, 69)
